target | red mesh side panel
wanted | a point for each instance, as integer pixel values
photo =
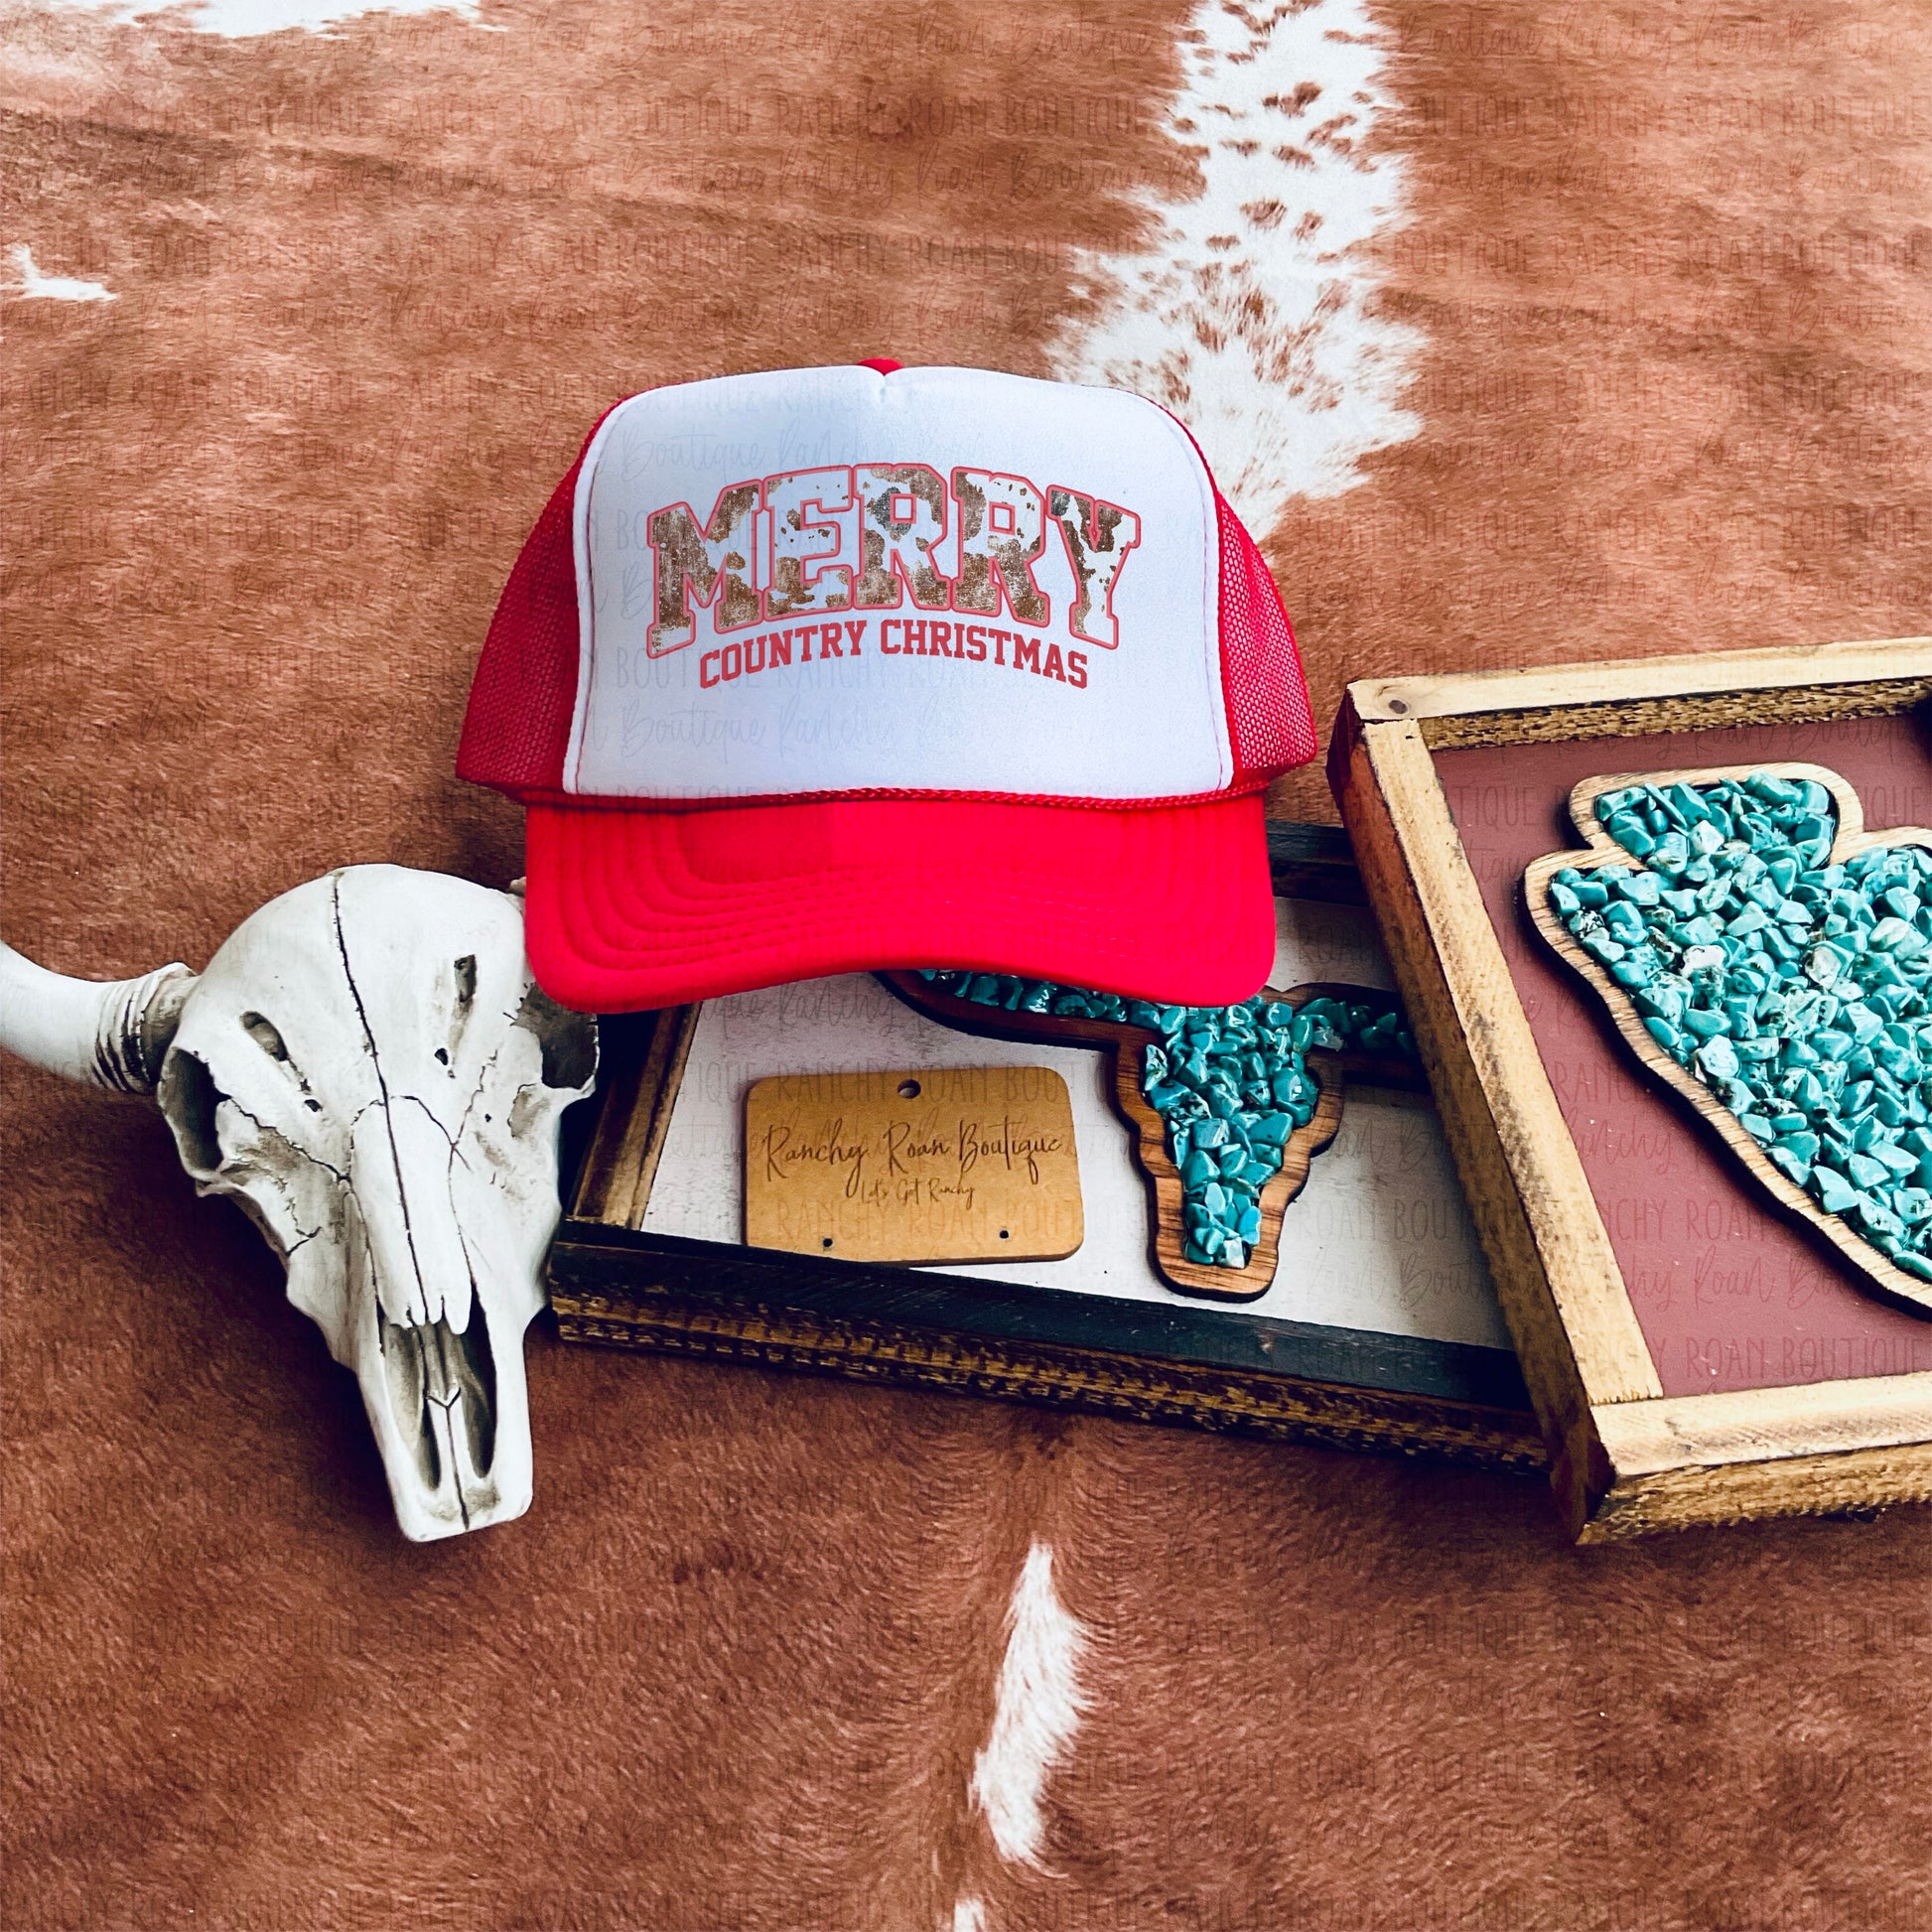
(1271, 723)
(517, 727)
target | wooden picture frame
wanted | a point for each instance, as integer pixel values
(1449, 788)
(615, 1284)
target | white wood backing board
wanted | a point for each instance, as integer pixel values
(1379, 1239)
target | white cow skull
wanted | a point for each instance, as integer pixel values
(367, 1067)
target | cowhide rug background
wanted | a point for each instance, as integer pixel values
(1522, 332)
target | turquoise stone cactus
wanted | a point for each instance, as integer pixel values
(1230, 1084)
(1794, 988)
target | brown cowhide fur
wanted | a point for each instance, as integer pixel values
(1667, 269)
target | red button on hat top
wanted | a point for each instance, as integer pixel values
(809, 672)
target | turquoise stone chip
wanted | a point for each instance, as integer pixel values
(1835, 1193)
(1663, 998)
(1669, 1038)
(1876, 1215)
(1718, 1057)
(1867, 1171)
(1912, 1205)
(1628, 832)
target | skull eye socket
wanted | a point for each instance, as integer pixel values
(264, 1033)
(464, 974)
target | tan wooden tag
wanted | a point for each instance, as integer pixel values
(942, 1164)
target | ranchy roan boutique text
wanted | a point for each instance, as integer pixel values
(863, 538)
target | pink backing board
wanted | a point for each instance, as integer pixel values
(1731, 1293)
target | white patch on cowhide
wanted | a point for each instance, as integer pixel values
(1036, 1711)
(1250, 316)
(31, 285)
(968, 1916)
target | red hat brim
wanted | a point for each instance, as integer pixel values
(634, 908)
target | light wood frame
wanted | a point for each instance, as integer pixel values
(1624, 1458)
(1215, 1367)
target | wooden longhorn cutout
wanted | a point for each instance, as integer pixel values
(1128, 1047)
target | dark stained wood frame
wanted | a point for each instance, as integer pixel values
(1624, 1458)
(613, 1284)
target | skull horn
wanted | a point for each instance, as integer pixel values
(103, 1033)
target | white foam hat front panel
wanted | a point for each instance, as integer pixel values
(939, 580)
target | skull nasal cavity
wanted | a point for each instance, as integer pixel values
(188, 1098)
(568, 1039)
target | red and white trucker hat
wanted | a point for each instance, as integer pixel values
(822, 670)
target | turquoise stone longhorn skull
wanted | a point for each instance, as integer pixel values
(1230, 1084)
